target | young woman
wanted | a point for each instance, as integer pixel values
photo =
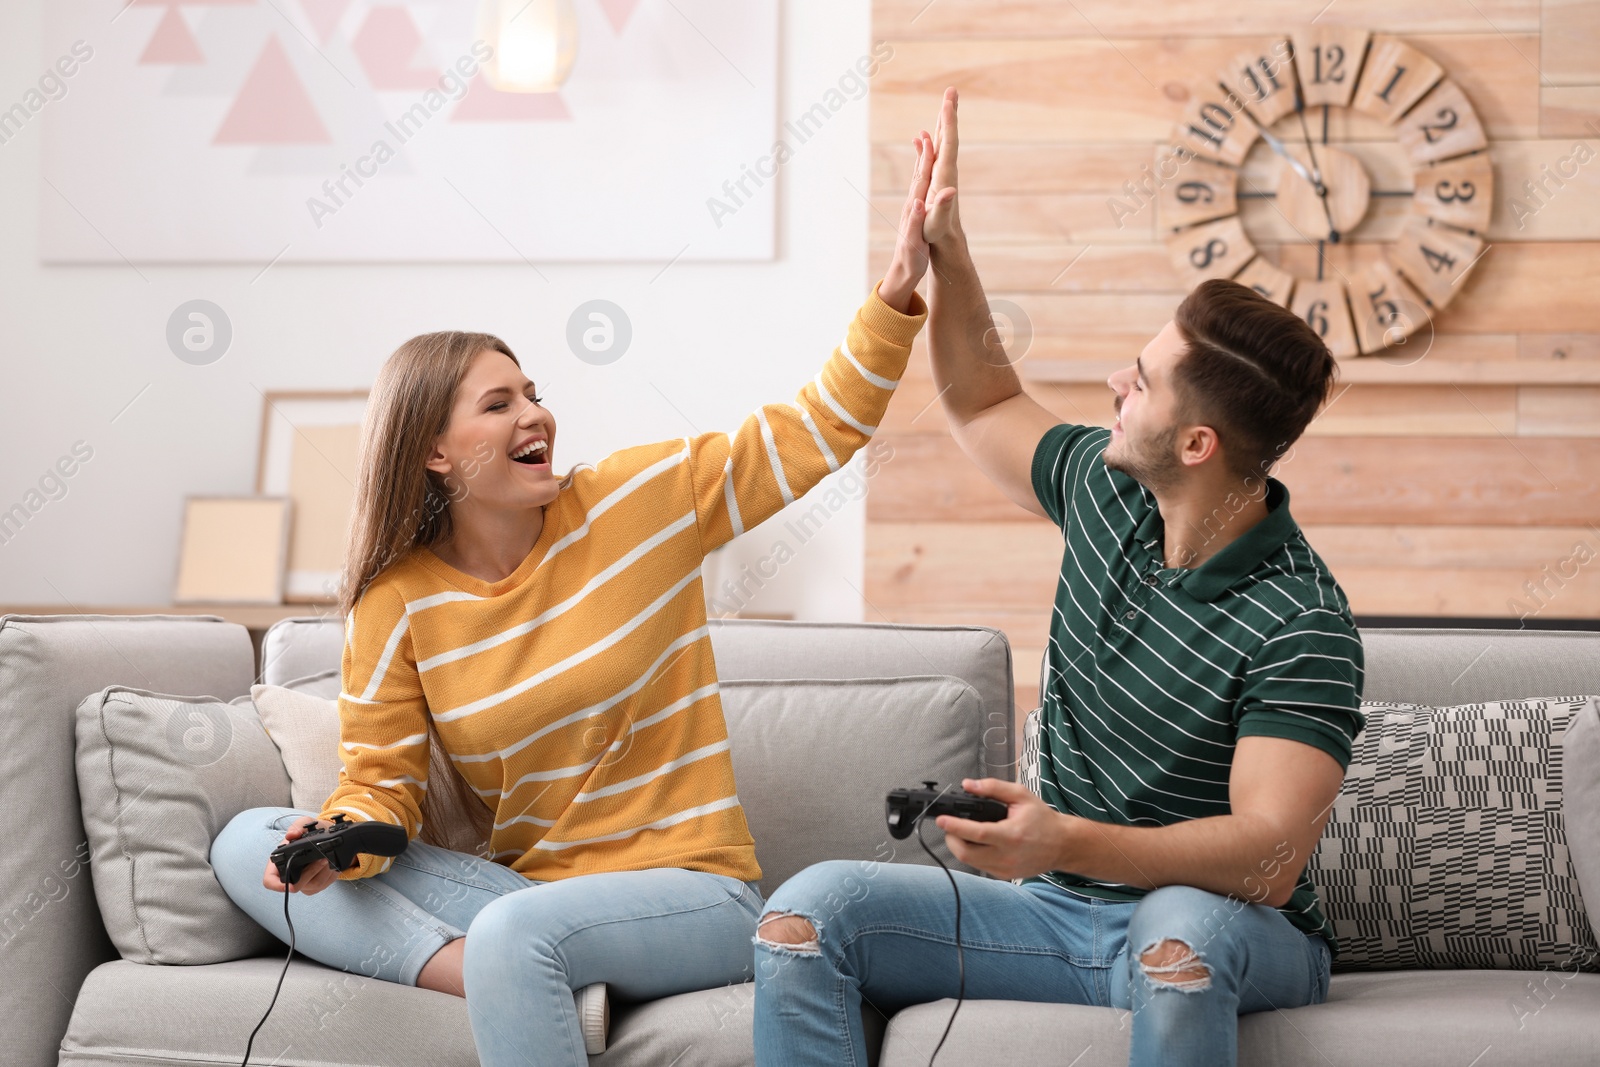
(541, 644)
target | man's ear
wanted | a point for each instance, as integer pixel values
(1200, 443)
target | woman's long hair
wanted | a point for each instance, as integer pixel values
(400, 504)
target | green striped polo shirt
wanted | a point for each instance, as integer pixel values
(1153, 672)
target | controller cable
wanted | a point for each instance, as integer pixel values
(281, 975)
(961, 961)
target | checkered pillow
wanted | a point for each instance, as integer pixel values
(1028, 763)
(1446, 847)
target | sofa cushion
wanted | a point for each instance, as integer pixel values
(159, 776)
(189, 1016)
(1580, 798)
(1448, 1019)
(1447, 845)
(814, 758)
(978, 655)
(126, 1013)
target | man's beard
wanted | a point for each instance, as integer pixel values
(1153, 466)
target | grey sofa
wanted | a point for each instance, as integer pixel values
(811, 771)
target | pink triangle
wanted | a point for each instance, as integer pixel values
(325, 15)
(618, 12)
(484, 103)
(172, 43)
(385, 44)
(273, 106)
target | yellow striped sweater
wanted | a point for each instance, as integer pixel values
(578, 695)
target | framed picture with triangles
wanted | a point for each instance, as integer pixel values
(358, 131)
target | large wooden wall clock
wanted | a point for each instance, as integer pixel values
(1324, 193)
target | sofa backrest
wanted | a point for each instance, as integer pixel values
(760, 649)
(818, 737)
(1445, 667)
(51, 935)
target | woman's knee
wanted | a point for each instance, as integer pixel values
(515, 919)
(248, 839)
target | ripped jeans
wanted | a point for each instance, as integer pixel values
(885, 933)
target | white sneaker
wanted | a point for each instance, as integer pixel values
(594, 1014)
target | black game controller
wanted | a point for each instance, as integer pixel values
(339, 844)
(905, 805)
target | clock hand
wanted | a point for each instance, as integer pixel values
(1310, 151)
(1322, 190)
(1311, 178)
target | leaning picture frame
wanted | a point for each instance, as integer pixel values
(309, 445)
(233, 550)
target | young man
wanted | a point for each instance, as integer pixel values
(1203, 689)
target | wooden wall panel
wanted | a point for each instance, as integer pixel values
(1383, 569)
(923, 572)
(1355, 411)
(1527, 481)
(1538, 286)
(979, 19)
(1569, 110)
(1097, 89)
(1453, 476)
(1569, 42)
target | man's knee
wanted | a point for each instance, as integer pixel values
(810, 901)
(786, 930)
(1206, 922)
(1175, 964)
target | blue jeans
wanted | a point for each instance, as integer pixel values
(886, 934)
(646, 934)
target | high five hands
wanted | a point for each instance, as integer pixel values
(929, 217)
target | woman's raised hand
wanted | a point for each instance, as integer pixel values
(924, 218)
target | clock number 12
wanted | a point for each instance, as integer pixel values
(1335, 72)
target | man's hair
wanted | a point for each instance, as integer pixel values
(1252, 370)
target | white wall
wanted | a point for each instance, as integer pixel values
(77, 344)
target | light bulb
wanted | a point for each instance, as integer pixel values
(535, 43)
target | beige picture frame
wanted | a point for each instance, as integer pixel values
(309, 446)
(232, 550)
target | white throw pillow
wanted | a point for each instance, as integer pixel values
(306, 730)
(305, 727)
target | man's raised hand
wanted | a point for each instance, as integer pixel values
(942, 223)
